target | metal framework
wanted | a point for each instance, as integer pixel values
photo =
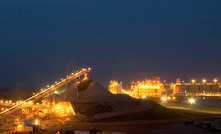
(44, 92)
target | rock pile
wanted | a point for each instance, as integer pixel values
(97, 103)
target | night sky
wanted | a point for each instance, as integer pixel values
(120, 40)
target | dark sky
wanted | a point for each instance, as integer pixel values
(121, 40)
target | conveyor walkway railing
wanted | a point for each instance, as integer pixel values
(44, 92)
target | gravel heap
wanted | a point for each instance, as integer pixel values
(92, 100)
(90, 91)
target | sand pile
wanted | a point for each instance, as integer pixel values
(90, 91)
(97, 93)
(70, 94)
(91, 99)
(143, 110)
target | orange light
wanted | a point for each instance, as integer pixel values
(58, 107)
(36, 122)
(215, 80)
(163, 98)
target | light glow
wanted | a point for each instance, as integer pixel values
(58, 107)
(163, 99)
(36, 122)
(191, 101)
(215, 80)
(143, 96)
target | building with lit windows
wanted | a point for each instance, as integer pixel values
(195, 88)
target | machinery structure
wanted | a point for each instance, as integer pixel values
(30, 101)
(115, 87)
(167, 92)
(143, 89)
(147, 88)
(196, 88)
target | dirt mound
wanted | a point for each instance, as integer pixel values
(91, 99)
(97, 93)
(70, 94)
(155, 112)
(84, 84)
(90, 91)
(93, 108)
(134, 110)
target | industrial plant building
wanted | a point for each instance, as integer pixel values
(196, 89)
(156, 89)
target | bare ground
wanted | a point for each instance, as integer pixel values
(173, 125)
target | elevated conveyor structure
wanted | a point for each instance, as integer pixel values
(44, 92)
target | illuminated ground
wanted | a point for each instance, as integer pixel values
(171, 126)
(194, 108)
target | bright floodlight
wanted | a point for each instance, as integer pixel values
(191, 101)
(193, 81)
(204, 80)
(58, 107)
(36, 122)
(163, 98)
(143, 96)
(215, 80)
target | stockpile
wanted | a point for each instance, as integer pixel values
(89, 91)
(97, 103)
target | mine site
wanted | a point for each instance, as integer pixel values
(77, 104)
(110, 67)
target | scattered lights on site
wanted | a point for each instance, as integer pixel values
(43, 91)
(147, 88)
